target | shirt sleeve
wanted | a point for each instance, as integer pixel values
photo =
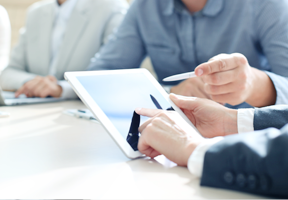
(125, 48)
(67, 91)
(272, 28)
(245, 119)
(280, 84)
(196, 160)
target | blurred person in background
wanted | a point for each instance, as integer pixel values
(179, 35)
(59, 36)
(5, 38)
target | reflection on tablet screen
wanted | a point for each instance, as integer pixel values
(119, 94)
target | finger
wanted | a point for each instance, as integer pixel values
(39, 88)
(146, 149)
(20, 91)
(51, 78)
(150, 135)
(231, 98)
(162, 116)
(45, 92)
(144, 125)
(147, 112)
(31, 86)
(25, 89)
(221, 89)
(221, 63)
(183, 102)
(220, 78)
(28, 93)
(201, 94)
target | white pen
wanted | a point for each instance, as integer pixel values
(178, 77)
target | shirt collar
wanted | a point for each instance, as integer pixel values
(212, 7)
(65, 9)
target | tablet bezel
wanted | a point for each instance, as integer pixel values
(71, 77)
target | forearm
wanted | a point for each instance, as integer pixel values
(263, 92)
(13, 79)
(230, 122)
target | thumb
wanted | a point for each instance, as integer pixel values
(188, 103)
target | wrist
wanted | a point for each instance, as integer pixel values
(190, 149)
(263, 92)
(230, 122)
(58, 91)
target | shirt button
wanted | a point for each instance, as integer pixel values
(241, 180)
(229, 177)
(252, 181)
(264, 182)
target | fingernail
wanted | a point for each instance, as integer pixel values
(174, 96)
(199, 72)
(138, 110)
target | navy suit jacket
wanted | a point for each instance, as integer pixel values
(271, 116)
(255, 162)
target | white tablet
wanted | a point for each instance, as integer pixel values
(113, 95)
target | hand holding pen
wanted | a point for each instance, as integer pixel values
(230, 79)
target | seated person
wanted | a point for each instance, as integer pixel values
(5, 38)
(180, 35)
(253, 162)
(59, 36)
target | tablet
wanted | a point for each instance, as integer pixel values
(113, 95)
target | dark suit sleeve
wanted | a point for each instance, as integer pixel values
(272, 116)
(255, 162)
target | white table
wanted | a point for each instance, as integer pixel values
(46, 154)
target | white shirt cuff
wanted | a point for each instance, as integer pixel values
(67, 91)
(196, 160)
(245, 119)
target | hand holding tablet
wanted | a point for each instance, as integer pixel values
(113, 95)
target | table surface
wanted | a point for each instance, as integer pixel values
(47, 154)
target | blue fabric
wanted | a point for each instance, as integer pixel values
(253, 162)
(271, 116)
(177, 41)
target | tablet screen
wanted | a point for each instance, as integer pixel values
(118, 95)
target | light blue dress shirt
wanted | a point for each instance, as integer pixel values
(177, 41)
